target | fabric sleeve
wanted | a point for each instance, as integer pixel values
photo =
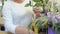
(8, 20)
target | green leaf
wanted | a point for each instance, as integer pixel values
(38, 4)
(28, 4)
(36, 0)
(40, 21)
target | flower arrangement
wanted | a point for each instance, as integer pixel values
(37, 23)
(41, 21)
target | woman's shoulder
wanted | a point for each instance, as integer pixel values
(7, 3)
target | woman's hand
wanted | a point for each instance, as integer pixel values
(21, 30)
(36, 12)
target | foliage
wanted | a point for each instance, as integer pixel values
(40, 21)
(55, 24)
(38, 3)
(37, 23)
(28, 4)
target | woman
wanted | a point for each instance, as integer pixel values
(17, 17)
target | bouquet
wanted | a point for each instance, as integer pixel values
(40, 22)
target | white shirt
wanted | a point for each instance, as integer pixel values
(16, 15)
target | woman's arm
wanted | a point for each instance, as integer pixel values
(7, 17)
(22, 30)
